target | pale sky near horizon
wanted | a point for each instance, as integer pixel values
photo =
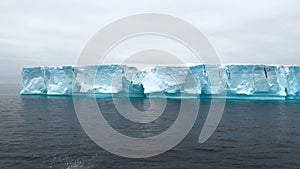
(53, 32)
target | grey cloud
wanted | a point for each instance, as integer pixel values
(54, 32)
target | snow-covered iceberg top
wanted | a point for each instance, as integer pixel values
(233, 80)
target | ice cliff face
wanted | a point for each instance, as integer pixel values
(33, 81)
(244, 80)
(162, 79)
(98, 79)
(58, 80)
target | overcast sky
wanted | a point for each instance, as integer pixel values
(54, 32)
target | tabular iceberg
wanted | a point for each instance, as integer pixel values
(233, 80)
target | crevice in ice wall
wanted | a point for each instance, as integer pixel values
(265, 71)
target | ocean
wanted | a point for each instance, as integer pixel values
(44, 132)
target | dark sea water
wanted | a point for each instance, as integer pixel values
(44, 132)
